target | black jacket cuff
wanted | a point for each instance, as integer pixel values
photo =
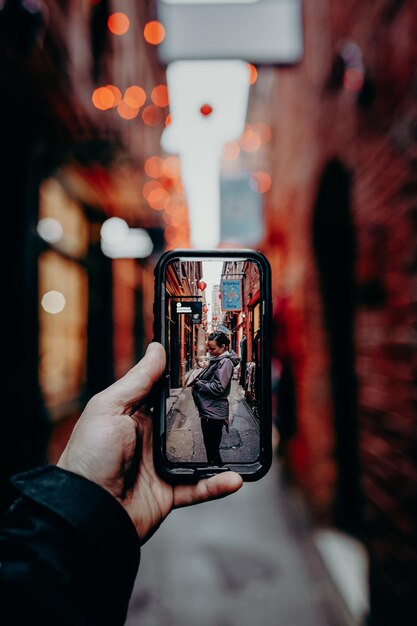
(69, 552)
(86, 506)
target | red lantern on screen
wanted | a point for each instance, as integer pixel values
(215, 318)
(220, 295)
(201, 285)
(205, 308)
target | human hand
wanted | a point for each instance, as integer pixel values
(112, 445)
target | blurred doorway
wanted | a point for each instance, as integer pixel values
(334, 244)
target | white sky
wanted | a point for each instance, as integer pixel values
(199, 139)
(211, 275)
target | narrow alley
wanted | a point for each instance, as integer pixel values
(218, 132)
(247, 560)
(185, 439)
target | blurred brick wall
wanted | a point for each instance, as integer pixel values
(320, 117)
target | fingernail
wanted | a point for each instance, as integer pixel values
(151, 347)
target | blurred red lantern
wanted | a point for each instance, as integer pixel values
(220, 295)
(205, 308)
(201, 285)
(214, 318)
(206, 110)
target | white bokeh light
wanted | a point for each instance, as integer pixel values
(50, 229)
(113, 231)
(119, 242)
(53, 302)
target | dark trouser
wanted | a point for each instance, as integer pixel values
(212, 435)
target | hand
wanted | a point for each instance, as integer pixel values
(112, 445)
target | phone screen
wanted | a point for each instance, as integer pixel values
(214, 342)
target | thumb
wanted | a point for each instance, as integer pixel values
(137, 383)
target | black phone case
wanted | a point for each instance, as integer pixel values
(186, 473)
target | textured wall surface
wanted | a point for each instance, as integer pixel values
(342, 240)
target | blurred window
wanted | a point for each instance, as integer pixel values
(63, 335)
(56, 203)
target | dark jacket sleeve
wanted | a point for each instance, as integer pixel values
(69, 553)
(220, 381)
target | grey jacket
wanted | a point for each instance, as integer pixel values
(212, 388)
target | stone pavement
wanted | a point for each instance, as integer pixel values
(185, 439)
(247, 560)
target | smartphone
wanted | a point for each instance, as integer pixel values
(213, 410)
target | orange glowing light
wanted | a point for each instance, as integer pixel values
(231, 151)
(177, 237)
(250, 141)
(126, 111)
(103, 98)
(253, 74)
(178, 218)
(167, 182)
(260, 182)
(264, 131)
(159, 96)
(168, 217)
(176, 206)
(118, 23)
(171, 167)
(171, 233)
(178, 186)
(117, 94)
(135, 96)
(149, 187)
(158, 199)
(154, 32)
(153, 167)
(152, 115)
(168, 119)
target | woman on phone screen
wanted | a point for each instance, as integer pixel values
(211, 391)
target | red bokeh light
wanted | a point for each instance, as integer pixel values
(253, 74)
(159, 96)
(126, 111)
(260, 182)
(153, 167)
(103, 98)
(152, 115)
(171, 167)
(353, 79)
(250, 141)
(135, 96)
(206, 110)
(118, 23)
(154, 32)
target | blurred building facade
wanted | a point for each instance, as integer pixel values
(342, 241)
(182, 291)
(74, 157)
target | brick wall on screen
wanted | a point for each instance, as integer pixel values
(371, 135)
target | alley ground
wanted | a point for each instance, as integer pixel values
(243, 561)
(185, 439)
